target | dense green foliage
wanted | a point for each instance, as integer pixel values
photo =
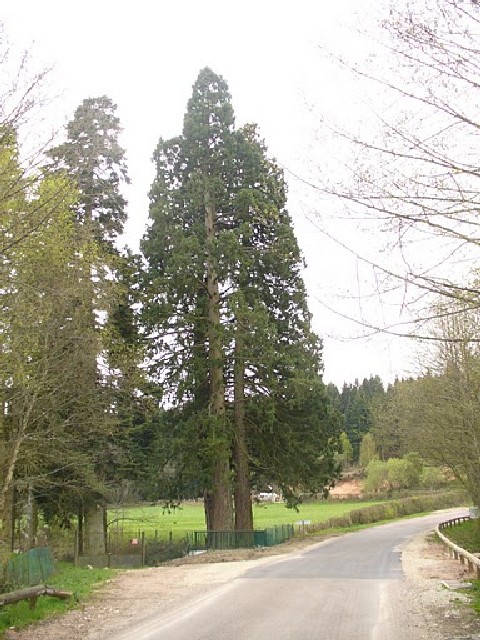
(94, 159)
(234, 389)
(355, 403)
(60, 301)
(277, 424)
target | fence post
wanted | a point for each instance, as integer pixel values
(143, 548)
(75, 548)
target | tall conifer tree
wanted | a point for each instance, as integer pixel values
(93, 158)
(226, 307)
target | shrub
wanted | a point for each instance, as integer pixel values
(377, 474)
(433, 478)
(368, 450)
(402, 473)
(395, 509)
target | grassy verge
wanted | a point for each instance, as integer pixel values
(467, 536)
(386, 511)
(82, 582)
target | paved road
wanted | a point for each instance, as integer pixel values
(347, 588)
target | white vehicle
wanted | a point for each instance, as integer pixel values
(268, 496)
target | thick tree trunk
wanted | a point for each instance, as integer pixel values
(8, 518)
(222, 510)
(94, 530)
(13, 446)
(31, 517)
(242, 497)
(208, 508)
(80, 529)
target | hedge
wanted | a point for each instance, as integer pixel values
(389, 511)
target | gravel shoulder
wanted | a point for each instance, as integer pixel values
(433, 611)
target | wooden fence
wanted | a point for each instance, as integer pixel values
(465, 557)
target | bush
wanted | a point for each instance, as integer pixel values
(368, 450)
(402, 473)
(395, 509)
(433, 478)
(377, 474)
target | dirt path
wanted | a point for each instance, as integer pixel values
(134, 596)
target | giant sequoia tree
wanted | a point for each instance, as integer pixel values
(225, 309)
(94, 159)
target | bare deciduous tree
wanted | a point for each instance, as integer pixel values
(410, 174)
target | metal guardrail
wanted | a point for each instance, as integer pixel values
(473, 562)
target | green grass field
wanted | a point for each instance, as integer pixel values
(190, 516)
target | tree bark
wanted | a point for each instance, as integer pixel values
(32, 593)
(241, 486)
(94, 529)
(18, 438)
(32, 517)
(222, 510)
(208, 508)
(80, 529)
(8, 519)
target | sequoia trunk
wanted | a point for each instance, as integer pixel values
(222, 512)
(243, 501)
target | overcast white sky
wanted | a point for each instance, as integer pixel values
(146, 55)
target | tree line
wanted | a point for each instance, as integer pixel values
(418, 432)
(189, 370)
(412, 175)
(192, 369)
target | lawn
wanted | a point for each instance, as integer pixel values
(190, 516)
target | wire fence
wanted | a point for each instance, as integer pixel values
(136, 548)
(30, 568)
(131, 547)
(213, 540)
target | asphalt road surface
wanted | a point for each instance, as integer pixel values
(347, 588)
